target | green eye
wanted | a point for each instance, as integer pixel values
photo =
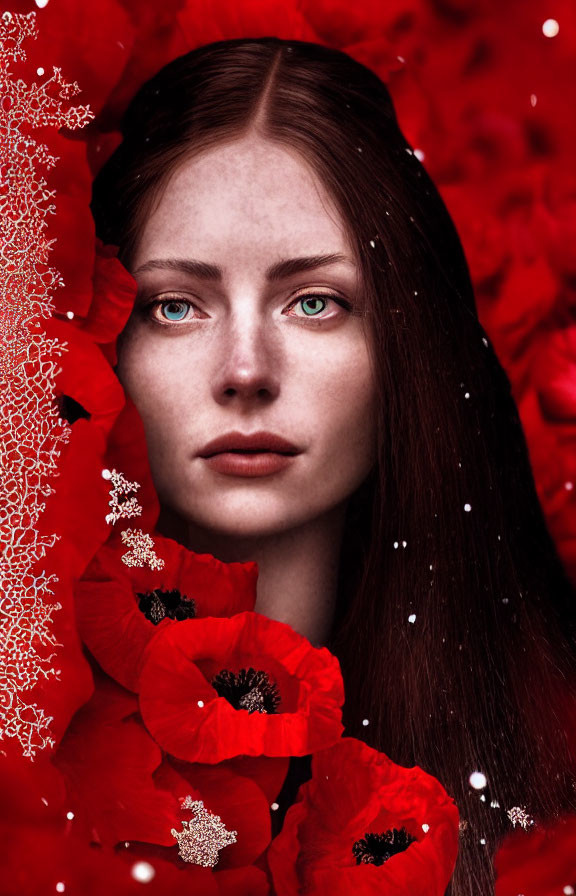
(313, 304)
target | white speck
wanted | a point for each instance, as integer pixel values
(400, 59)
(459, 464)
(568, 890)
(359, 148)
(39, 70)
(411, 218)
(409, 151)
(373, 244)
(126, 843)
(533, 99)
(106, 474)
(467, 508)
(419, 155)
(404, 544)
(415, 292)
(425, 828)
(482, 798)
(431, 567)
(494, 804)
(485, 341)
(41, 4)
(499, 537)
(396, 544)
(482, 841)
(275, 807)
(60, 886)
(365, 722)
(44, 800)
(143, 872)
(200, 703)
(466, 395)
(478, 780)
(70, 315)
(412, 617)
(505, 600)
(120, 44)
(550, 28)
(69, 816)
(568, 486)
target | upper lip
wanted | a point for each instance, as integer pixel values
(256, 441)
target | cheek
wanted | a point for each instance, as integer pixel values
(347, 411)
(153, 378)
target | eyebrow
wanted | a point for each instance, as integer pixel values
(278, 271)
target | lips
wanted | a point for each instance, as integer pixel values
(249, 443)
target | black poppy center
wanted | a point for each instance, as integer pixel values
(375, 849)
(159, 604)
(249, 689)
(70, 410)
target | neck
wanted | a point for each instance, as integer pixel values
(297, 569)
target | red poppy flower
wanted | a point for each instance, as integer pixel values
(120, 608)
(120, 791)
(538, 862)
(365, 825)
(211, 689)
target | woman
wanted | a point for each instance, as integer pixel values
(400, 526)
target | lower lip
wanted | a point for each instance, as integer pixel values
(261, 464)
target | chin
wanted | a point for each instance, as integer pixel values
(244, 525)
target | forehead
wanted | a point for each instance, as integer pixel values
(252, 194)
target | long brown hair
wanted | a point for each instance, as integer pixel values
(456, 624)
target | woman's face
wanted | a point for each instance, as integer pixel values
(238, 330)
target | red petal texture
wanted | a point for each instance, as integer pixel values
(538, 862)
(248, 881)
(202, 22)
(183, 659)
(109, 620)
(112, 298)
(36, 858)
(108, 760)
(355, 790)
(78, 37)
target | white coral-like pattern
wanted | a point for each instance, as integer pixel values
(31, 432)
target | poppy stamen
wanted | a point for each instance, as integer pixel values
(159, 604)
(249, 689)
(375, 849)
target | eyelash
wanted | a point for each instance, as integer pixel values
(157, 303)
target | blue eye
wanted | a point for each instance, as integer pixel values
(174, 309)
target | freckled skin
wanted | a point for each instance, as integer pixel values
(246, 357)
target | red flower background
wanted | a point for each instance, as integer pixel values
(482, 91)
(484, 97)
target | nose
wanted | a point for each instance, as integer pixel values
(249, 362)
